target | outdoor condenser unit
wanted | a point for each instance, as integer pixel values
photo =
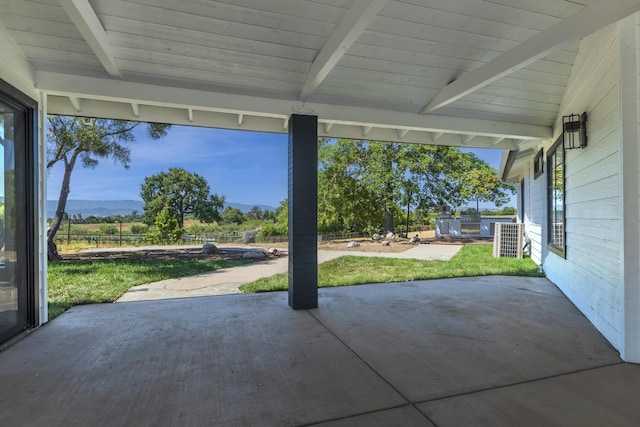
(508, 240)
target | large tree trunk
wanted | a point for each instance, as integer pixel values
(52, 249)
(388, 209)
(388, 219)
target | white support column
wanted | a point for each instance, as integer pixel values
(41, 232)
(630, 195)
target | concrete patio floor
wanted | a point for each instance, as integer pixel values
(494, 351)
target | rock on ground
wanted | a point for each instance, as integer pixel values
(249, 236)
(209, 249)
(254, 255)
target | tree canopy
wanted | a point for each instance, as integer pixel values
(183, 193)
(87, 139)
(231, 215)
(363, 185)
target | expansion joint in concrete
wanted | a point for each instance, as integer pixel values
(378, 374)
(481, 390)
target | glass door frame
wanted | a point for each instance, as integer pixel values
(27, 202)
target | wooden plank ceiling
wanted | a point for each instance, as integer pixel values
(482, 73)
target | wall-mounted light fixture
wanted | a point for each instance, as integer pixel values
(538, 164)
(574, 131)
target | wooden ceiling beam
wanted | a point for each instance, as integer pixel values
(354, 22)
(86, 21)
(588, 20)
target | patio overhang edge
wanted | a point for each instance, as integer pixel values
(338, 120)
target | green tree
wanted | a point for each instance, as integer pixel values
(87, 140)
(92, 219)
(183, 193)
(481, 183)
(255, 213)
(134, 216)
(166, 228)
(231, 215)
(345, 201)
(282, 213)
(508, 210)
(363, 185)
(269, 215)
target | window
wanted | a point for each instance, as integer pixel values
(522, 199)
(538, 163)
(555, 199)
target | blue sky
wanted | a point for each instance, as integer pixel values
(245, 167)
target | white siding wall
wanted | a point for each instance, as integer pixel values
(535, 212)
(590, 274)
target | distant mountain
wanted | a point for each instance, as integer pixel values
(120, 207)
(97, 207)
(246, 208)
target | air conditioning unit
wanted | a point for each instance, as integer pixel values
(508, 240)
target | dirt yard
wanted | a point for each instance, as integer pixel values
(167, 253)
(366, 245)
(399, 245)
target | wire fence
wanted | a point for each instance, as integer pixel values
(229, 237)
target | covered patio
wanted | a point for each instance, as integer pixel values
(482, 74)
(496, 351)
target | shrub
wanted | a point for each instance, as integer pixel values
(74, 229)
(201, 228)
(139, 229)
(166, 230)
(108, 229)
(273, 230)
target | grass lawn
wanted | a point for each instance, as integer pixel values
(75, 282)
(472, 260)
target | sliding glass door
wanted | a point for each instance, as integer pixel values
(18, 309)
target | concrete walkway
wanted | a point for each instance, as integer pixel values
(488, 351)
(227, 280)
